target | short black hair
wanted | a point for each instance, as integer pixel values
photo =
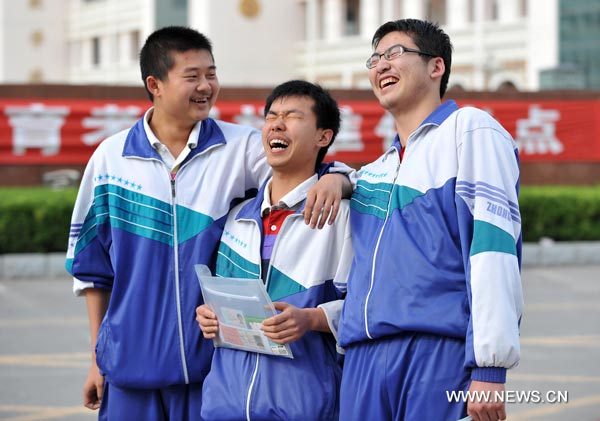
(427, 36)
(155, 57)
(325, 108)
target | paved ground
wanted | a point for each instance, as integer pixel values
(44, 342)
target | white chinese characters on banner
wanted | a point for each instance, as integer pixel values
(250, 116)
(349, 137)
(108, 120)
(537, 134)
(386, 129)
(36, 126)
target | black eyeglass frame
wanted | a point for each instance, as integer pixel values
(387, 54)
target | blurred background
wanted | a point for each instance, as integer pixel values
(69, 77)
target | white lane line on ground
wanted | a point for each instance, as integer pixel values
(551, 409)
(39, 413)
(72, 360)
(46, 322)
(582, 341)
(562, 306)
(550, 378)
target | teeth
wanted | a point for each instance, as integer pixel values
(387, 81)
(278, 144)
(199, 100)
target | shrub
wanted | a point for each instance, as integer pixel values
(35, 219)
(38, 219)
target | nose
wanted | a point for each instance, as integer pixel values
(203, 85)
(277, 124)
(382, 65)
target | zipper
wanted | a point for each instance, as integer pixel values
(172, 177)
(254, 374)
(387, 214)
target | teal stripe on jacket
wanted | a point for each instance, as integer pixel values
(232, 265)
(488, 237)
(280, 285)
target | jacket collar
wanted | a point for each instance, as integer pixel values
(436, 118)
(296, 198)
(138, 144)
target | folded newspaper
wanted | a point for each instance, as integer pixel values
(241, 305)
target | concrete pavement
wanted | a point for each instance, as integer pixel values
(44, 347)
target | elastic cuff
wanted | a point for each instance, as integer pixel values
(489, 374)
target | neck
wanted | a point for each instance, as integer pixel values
(407, 120)
(284, 182)
(171, 133)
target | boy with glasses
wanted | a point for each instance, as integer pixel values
(434, 297)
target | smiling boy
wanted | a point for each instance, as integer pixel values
(304, 271)
(152, 203)
(434, 297)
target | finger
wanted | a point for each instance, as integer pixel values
(309, 205)
(90, 399)
(284, 339)
(326, 211)
(473, 414)
(280, 305)
(209, 330)
(206, 312)
(501, 414)
(316, 211)
(334, 210)
(207, 322)
(100, 388)
(484, 415)
(277, 326)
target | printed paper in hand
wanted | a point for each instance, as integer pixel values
(241, 305)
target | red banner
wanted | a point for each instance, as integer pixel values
(65, 132)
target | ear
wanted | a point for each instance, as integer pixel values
(325, 138)
(153, 85)
(438, 67)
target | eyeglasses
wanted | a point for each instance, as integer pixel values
(393, 52)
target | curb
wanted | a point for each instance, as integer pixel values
(544, 253)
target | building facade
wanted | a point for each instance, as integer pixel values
(498, 44)
(32, 41)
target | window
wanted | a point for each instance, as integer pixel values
(436, 11)
(523, 10)
(491, 10)
(352, 17)
(470, 11)
(134, 45)
(96, 51)
(37, 37)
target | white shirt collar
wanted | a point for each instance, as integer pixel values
(162, 150)
(292, 198)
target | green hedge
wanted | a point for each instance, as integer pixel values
(565, 213)
(37, 219)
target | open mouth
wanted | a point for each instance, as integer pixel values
(388, 81)
(200, 100)
(278, 145)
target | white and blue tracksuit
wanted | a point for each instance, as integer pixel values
(308, 268)
(435, 283)
(137, 232)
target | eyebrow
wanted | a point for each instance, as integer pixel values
(293, 110)
(197, 69)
